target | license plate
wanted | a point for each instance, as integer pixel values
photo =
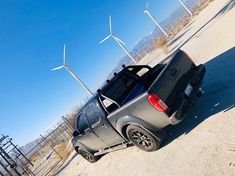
(188, 90)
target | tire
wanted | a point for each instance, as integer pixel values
(87, 155)
(142, 139)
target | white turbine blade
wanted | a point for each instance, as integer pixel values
(110, 24)
(104, 39)
(57, 68)
(64, 55)
(119, 40)
(147, 5)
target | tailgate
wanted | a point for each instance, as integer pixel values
(173, 79)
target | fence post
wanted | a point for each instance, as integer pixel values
(52, 147)
(4, 167)
(66, 121)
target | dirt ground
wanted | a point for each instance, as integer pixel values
(204, 143)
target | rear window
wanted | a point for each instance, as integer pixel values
(82, 124)
(120, 88)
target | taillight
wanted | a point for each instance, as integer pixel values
(157, 102)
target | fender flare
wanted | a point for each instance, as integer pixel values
(125, 121)
(80, 145)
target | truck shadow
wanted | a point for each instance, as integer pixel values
(219, 96)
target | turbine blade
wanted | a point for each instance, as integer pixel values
(64, 55)
(104, 39)
(110, 24)
(147, 5)
(119, 40)
(57, 68)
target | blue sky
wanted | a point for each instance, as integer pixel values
(32, 34)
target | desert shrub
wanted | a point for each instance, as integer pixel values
(161, 42)
(71, 117)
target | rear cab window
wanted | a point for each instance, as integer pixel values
(120, 88)
(124, 87)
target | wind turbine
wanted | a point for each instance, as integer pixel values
(119, 41)
(185, 7)
(67, 67)
(153, 19)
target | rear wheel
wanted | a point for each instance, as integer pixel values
(87, 155)
(142, 139)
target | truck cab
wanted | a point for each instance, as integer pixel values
(94, 130)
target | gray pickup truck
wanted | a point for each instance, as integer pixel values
(135, 105)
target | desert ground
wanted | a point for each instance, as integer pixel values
(204, 143)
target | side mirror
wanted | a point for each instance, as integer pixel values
(75, 133)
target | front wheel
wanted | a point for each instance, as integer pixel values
(142, 139)
(87, 156)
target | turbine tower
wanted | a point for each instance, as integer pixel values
(119, 41)
(185, 7)
(154, 20)
(67, 67)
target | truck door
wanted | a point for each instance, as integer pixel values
(101, 126)
(87, 137)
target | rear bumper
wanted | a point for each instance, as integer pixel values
(188, 101)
